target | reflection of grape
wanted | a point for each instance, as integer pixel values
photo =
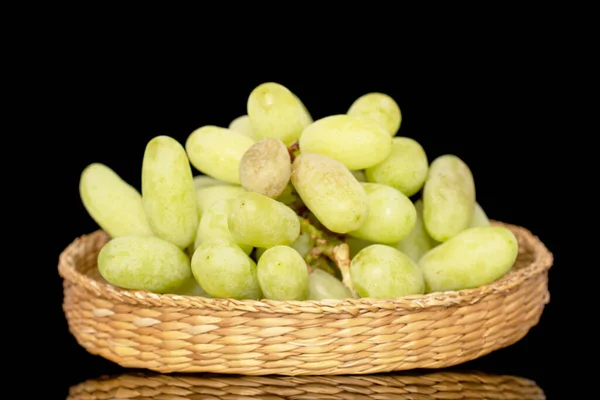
(224, 271)
(115, 205)
(380, 271)
(259, 221)
(282, 274)
(330, 192)
(324, 286)
(243, 125)
(144, 263)
(213, 225)
(265, 168)
(168, 191)
(474, 257)
(380, 108)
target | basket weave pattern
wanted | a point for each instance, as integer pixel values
(170, 333)
(444, 385)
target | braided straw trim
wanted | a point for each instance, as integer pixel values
(440, 385)
(170, 333)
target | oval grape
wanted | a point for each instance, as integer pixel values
(112, 203)
(204, 181)
(217, 152)
(330, 192)
(282, 274)
(260, 221)
(380, 108)
(324, 286)
(355, 142)
(479, 217)
(144, 263)
(243, 125)
(418, 242)
(448, 198)
(275, 112)
(208, 196)
(266, 167)
(168, 191)
(405, 168)
(381, 271)
(223, 270)
(475, 257)
(391, 215)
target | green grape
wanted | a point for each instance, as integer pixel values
(359, 175)
(217, 152)
(418, 242)
(475, 257)
(258, 253)
(288, 195)
(324, 286)
(265, 168)
(191, 288)
(213, 224)
(356, 245)
(168, 191)
(330, 192)
(208, 196)
(144, 263)
(282, 274)
(243, 125)
(303, 244)
(203, 181)
(405, 168)
(277, 113)
(448, 198)
(260, 221)
(391, 216)
(223, 270)
(112, 203)
(381, 271)
(479, 217)
(380, 108)
(357, 143)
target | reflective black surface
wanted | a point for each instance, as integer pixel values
(493, 118)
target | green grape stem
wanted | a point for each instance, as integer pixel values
(331, 247)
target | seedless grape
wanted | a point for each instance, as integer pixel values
(243, 125)
(214, 225)
(282, 274)
(380, 108)
(266, 167)
(324, 286)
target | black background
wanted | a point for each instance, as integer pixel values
(491, 111)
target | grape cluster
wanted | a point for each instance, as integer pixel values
(287, 208)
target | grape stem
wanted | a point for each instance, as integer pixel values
(331, 247)
(294, 150)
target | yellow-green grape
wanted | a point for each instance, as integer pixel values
(208, 196)
(356, 245)
(357, 143)
(378, 107)
(223, 270)
(217, 152)
(203, 181)
(324, 286)
(213, 225)
(330, 192)
(282, 274)
(391, 216)
(418, 242)
(479, 217)
(168, 191)
(112, 203)
(243, 125)
(275, 112)
(303, 244)
(260, 221)
(288, 196)
(191, 288)
(359, 175)
(475, 257)
(448, 198)
(381, 271)
(266, 167)
(144, 263)
(405, 168)
(258, 253)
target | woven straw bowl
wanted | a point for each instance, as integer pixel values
(437, 385)
(170, 333)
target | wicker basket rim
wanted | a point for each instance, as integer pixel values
(542, 261)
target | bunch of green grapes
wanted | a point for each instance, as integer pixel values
(287, 208)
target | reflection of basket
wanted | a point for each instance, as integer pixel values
(439, 385)
(168, 333)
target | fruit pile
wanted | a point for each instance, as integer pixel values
(287, 208)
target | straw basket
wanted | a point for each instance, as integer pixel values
(439, 385)
(170, 333)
